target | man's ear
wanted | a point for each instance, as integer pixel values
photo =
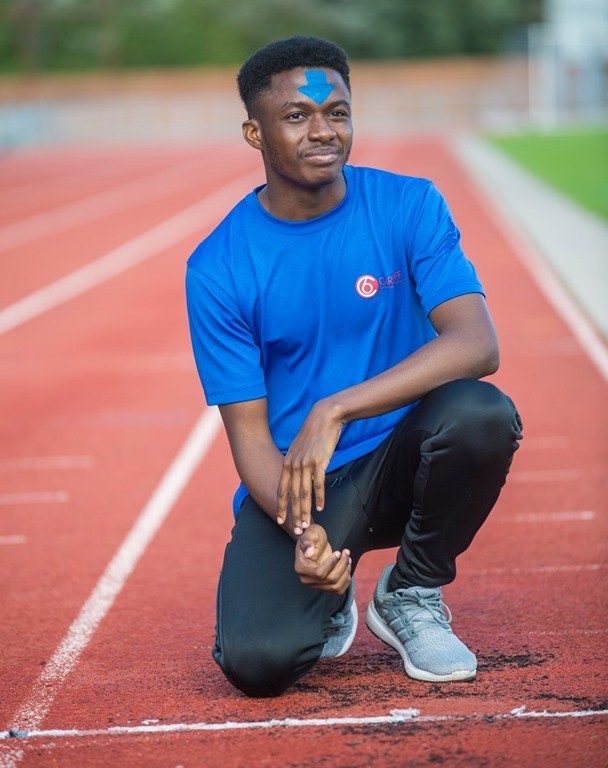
(252, 133)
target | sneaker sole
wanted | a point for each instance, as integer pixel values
(349, 640)
(379, 628)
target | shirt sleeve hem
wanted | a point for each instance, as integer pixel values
(225, 397)
(452, 293)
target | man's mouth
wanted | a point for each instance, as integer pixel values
(323, 155)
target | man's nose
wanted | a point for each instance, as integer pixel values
(320, 128)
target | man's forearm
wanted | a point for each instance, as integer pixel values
(260, 470)
(448, 357)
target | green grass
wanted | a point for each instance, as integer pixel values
(575, 163)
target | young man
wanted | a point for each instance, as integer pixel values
(342, 332)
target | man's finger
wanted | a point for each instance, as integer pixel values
(312, 542)
(324, 565)
(339, 577)
(338, 588)
(330, 572)
(319, 486)
(283, 495)
(341, 567)
(310, 568)
(309, 549)
(305, 497)
(294, 498)
(343, 584)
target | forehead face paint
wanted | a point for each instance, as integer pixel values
(317, 88)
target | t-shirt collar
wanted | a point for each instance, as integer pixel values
(308, 225)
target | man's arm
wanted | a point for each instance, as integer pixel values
(465, 348)
(259, 464)
(258, 461)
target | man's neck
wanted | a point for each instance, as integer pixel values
(292, 203)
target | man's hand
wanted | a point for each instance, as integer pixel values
(318, 565)
(305, 464)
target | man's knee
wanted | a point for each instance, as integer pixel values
(262, 669)
(484, 418)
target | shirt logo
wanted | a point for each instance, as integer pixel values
(368, 286)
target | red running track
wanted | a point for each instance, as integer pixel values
(99, 396)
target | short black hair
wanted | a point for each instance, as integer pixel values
(288, 53)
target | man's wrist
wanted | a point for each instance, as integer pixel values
(333, 410)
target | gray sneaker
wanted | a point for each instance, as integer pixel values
(416, 623)
(342, 627)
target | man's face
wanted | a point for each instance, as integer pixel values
(304, 125)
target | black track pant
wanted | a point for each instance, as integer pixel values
(427, 489)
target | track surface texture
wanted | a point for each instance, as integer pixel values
(99, 398)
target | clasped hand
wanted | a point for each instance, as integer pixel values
(303, 475)
(318, 565)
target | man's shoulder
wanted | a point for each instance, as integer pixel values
(380, 179)
(217, 245)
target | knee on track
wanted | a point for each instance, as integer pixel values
(261, 671)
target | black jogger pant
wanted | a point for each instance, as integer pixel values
(426, 489)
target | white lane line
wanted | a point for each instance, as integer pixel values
(586, 568)
(523, 247)
(196, 218)
(560, 632)
(585, 515)
(14, 539)
(47, 686)
(544, 475)
(48, 462)
(396, 717)
(155, 186)
(545, 442)
(34, 497)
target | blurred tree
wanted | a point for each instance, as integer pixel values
(77, 34)
(24, 16)
(110, 43)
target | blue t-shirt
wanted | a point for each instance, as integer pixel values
(296, 311)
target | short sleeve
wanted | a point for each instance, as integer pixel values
(437, 264)
(227, 358)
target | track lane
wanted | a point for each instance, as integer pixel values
(130, 416)
(533, 744)
(32, 266)
(146, 634)
(22, 199)
(118, 415)
(37, 171)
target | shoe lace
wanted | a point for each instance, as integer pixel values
(336, 622)
(338, 619)
(420, 611)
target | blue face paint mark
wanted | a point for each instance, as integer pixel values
(317, 88)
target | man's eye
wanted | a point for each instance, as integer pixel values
(295, 116)
(339, 113)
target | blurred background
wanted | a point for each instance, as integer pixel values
(530, 77)
(163, 70)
